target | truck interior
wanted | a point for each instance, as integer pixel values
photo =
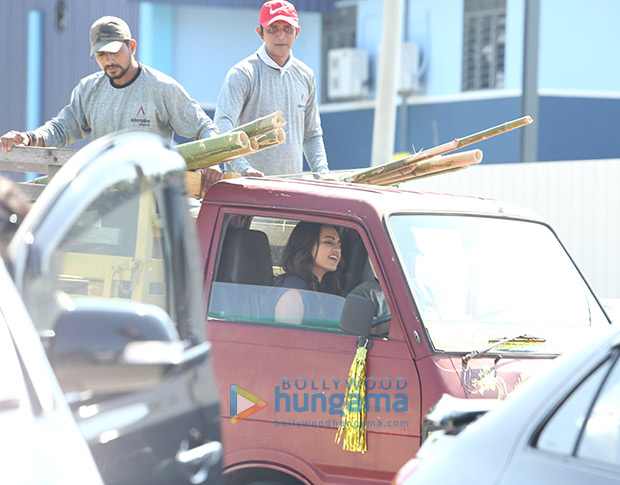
(249, 261)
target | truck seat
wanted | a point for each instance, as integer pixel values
(246, 258)
(357, 269)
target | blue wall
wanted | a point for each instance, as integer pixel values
(430, 124)
(437, 27)
(157, 30)
(573, 128)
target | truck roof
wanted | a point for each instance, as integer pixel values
(351, 198)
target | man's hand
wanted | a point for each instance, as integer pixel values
(13, 138)
(211, 175)
(252, 172)
(327, 176)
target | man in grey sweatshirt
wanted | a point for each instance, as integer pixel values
(124, 95)
(273, 79)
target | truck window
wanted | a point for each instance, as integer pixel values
(251, 285)
(476, 279)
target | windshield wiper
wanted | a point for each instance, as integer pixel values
(521, 338)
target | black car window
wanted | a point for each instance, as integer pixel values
(562, 431)
(114, 250)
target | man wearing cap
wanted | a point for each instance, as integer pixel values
(273, 79)
(124, 95)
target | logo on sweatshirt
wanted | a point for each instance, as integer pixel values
(140, 118)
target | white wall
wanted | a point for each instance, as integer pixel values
(580, 199)
(513, 63)
(579, 42)
(209, 41)
(436, 26)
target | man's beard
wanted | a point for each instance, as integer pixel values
(118, 76)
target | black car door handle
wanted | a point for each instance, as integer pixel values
(198, 460)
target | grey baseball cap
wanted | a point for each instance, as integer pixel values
(108, 34)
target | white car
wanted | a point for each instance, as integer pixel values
(40, 441)
(561, 427)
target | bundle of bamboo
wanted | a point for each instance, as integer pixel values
(432, 161)
(244, 140)
(217, 149)
(426, 167)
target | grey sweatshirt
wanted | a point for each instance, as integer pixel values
(256, 87)
(152, 102)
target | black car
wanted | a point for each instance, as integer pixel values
(107, 264)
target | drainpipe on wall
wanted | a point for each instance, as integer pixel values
(34, 83)
(34, 74)
(384, 128)
(529, 96)
(404, 111)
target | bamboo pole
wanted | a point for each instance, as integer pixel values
(263, 125)
(423, 168)
(202, 153)
(221, 157)
(455, 144)
(248, 138)
(268, 140)
(442, 172)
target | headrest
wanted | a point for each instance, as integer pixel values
(246, 258)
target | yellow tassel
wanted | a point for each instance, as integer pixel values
(354, 410)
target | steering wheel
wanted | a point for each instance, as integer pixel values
(378, 321)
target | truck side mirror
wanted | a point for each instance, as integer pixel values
(357, 315)
(112, 346)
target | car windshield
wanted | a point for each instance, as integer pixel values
(479, 279)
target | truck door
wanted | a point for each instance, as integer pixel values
(283, 379)
(114, 226)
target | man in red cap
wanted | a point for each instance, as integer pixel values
(273, 79)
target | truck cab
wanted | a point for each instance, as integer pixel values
(472, 297)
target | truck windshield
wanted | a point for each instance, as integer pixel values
(476, 279)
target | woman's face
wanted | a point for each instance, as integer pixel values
(327, 252)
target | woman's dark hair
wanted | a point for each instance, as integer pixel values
(298, 258)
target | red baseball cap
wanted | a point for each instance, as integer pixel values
(275, 10)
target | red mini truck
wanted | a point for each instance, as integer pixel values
(478, 296)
